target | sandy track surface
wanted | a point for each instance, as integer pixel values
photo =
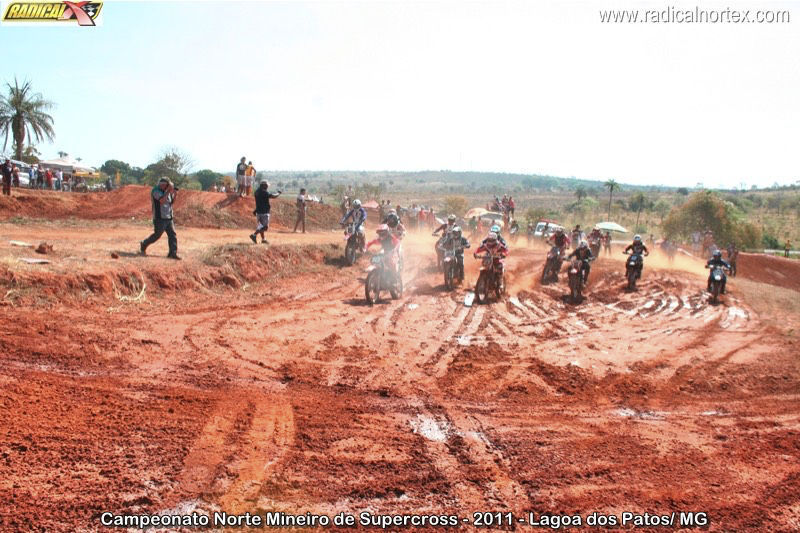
(294, 395)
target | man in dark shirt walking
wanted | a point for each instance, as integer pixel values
(261, 212)
(162, 197)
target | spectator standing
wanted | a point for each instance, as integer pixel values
(31, 177)
(512, 205)
(39, 178)
(302, 201)
(15, 176)
(59, 179)
(48, 178)
(249, 178)
(162, 197)
(786, 248)
(241, 168)
(6, 171)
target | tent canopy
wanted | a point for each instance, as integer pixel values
(67, 164)
(610, 226)
(372, 204)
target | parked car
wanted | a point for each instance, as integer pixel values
(540, 233)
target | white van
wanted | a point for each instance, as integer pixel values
(540, 233)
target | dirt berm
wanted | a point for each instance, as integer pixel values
(192, 208)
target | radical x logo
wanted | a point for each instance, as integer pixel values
(84, 13)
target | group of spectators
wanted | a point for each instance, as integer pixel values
(38, 178)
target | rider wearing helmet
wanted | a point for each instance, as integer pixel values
(388, 241)
(717, 261)
(359, 215)
(395, 226)
(493, 245)
(560, 239)
(447, 227)
(584, 254)
(456, 239)
(637, 247)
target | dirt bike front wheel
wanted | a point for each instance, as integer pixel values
(372, 287)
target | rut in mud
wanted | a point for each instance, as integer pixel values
(294, 395)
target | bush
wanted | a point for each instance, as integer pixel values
(770, 241)
(456, 205)
(705, 210)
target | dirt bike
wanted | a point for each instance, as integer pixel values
(717, 279)
(552, 265)
(633, 269)
(453, 272)
(575, 276)
(382, 277)
(513, 232)
(594, 246)
(491, 278)
(355, 243)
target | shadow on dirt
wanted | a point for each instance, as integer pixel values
(362, 302)
(122, 253)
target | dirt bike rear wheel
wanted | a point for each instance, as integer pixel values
(500, 287)
(631, 279)
(397, 288)
(481, 288)
(372, 287)
(449, 276)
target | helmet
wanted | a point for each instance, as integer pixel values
(717, 254)
(451, 218)
(457, 231)
(392, 219)
(584, 244)
(383, 228)
(264, 183)
(495, 229)
(559, 231)
(637, 238)
(491, 237)
(356, 203)
(392, 212)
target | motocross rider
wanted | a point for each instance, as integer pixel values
(584, 254)
(359, 215)
(461, 242)
(637, 247)
(560, 239)
(717, 261)
(395, 226)
(389, 242)
(447, 228)
(496, 230)
(494, 246)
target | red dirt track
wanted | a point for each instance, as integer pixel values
(255, 378)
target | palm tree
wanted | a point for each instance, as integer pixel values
(23, 116)
(638, 202)
(612, 186)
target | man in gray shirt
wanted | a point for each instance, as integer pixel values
(162, 196)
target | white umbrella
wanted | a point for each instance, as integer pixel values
(611, 226)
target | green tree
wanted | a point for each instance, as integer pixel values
(456, 205)
(207, 178)
(612, 186)
(172, 164)
(23, 115)
(580, 192)
(638, 202)
(111, 167)
(705, 209)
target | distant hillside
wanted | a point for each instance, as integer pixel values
(440, 181)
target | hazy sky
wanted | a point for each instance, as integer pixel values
(532, 87)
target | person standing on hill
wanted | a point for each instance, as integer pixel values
(263, 196)
(302, 202)
(162, 197)
(249, 177)
(6, 170)
(786, 248)
(241, 168)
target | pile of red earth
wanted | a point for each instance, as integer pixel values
(769, 269)
(192, 208)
